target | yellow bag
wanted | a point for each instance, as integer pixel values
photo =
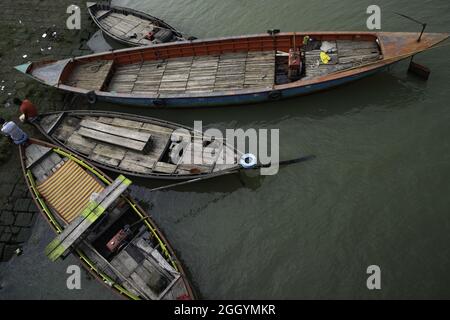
(324, 57)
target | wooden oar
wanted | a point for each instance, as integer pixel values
(220, 174)
(286, 162)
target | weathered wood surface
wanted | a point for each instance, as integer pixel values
(124, 263)
(177, 289)
(140, 283)
(80, 143)
(49, 123)
(349, 54)
(112, 139)
(91, 75)
(126, 281)
(225, 160)
(129, 27)
(90, 214)
(117, 131)
(109, 151)
(230, 71)
(99, 138)
(46, 166)
(163, 167)
(34, 153)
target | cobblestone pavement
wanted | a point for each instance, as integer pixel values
(22, 26)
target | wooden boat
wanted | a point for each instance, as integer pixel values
(139, 146)
(233, 70)
(98, 222)
(131, 27)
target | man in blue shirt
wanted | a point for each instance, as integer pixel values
(12, 130)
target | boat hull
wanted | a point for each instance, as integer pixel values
(228, 71)
(92, 7)
(233, 100)
(58, 227)
(154, 176)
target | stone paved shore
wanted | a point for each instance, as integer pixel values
(22, 26)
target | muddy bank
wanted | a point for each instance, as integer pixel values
(31, 30)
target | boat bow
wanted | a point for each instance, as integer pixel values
(404, 44)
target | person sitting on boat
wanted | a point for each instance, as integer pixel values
(28, 110)
(11, 130)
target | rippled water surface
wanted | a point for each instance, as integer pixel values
(378, 192)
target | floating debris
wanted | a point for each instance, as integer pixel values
(2, 88)
(24, 56)
(49, 48)
(19, 251)
(44, 35)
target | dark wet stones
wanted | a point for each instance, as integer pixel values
(18, 192)
(15, 230)
(5, 189)
(5, 237)
(22, 204)
(9, 251)
(2, 246)
(23, 219)
(17, 210)
(6, 218)
(16, 218)
(23, 235)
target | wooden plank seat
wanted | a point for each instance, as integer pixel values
(119, 136)
(91, 212)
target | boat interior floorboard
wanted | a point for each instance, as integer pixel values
(140, 147)
(126, 26)
(225, 72)
(347, 54)
(231, 71)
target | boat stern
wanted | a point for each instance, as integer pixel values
(23, 67)
(404, 44)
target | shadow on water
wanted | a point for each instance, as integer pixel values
(222, 184)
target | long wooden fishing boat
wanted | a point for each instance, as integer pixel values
(234, 70)
(130, 27)
(97, 221)
(139, 146)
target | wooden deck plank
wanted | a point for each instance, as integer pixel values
(157, 129)
(80, 144)
(163, 167)
(198, 74)
(104, 159)
(118, 131)
(111, 139)
(147, 161)
(133, 166)
(109, 151)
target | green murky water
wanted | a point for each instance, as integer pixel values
(378, 192)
